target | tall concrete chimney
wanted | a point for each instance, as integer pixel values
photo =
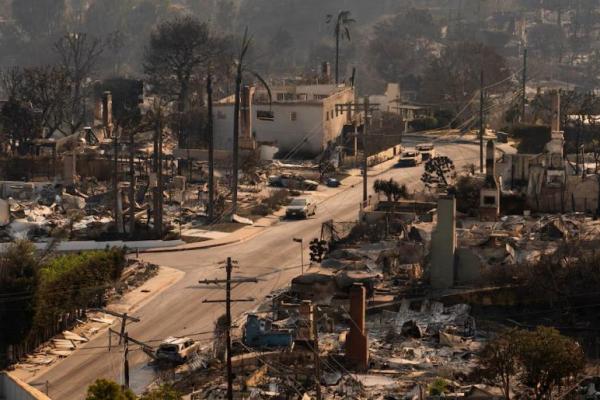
(489, 195)
(107, 113)
(357, 349)
(443, 244)
(556, 112)
(490, 159)
(305, 331)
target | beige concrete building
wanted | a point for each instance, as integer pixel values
(12, 388)
(300, 120)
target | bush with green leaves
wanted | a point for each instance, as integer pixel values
(438, 387)
(162, 392)
(19, 267)
(75, 281)
(104, 389)
(392, 190)
(541, 359)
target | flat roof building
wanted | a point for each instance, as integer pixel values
(301, 119)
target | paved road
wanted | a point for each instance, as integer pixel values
(272, 256)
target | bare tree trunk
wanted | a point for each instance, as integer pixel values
(159, 221)
(157, 190)
(337, 56)
(131, 184)
(236, 128)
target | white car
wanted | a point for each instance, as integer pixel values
(177, 350)
(410, 158)
(301, 207)
(427, 151)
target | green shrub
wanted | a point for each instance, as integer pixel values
(75, 281)
(104, 389)
(467, 191)
(424, 124)
(438, 387)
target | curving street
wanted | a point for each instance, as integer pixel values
(272, 256)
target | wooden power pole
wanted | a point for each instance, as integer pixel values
(481, 120)
(524, 88)
(228, 300)
(317, 354)
(367, 108)
(211, 146)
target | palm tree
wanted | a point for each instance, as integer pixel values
(341, 30)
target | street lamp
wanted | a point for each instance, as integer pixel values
(300, 240)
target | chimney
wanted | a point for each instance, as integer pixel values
(490, 160)
(107, 113)
(305, 332)
(357, 350)
(326, 72)
(556, 112)
(443, 244)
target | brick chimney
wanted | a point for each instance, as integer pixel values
(357, 349)
(489, 195)
(305, 332)
(107, 121)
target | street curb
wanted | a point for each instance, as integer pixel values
(240, 240)
(258, 232)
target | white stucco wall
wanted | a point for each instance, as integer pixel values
(316, 124)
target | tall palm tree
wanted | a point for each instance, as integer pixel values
(341, 30)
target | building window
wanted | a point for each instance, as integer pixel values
(293, 116)
(326, 115)
(280, 96)
(265, 115)
(489, 200)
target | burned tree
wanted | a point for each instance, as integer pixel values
(440, 172)
(78, 54)
(341, 29)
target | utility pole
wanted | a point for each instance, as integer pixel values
(481, 121)
(524, 88)
(367, 112)
(131, 182)
(126, 359)
(317, 355)
(116, 199)
(228, 281)
(211, 148)
(367, 108)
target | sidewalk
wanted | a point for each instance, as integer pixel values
(249, 232)
(355, 178)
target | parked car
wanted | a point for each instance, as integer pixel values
(332, 182)
(308, 184)
(410, 158)
(302, 207)
(275, 181)
(177, 350)
(427, 151)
